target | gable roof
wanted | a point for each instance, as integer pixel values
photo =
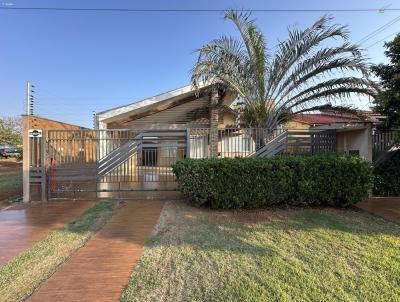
(129, 109)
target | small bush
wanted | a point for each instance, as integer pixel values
(387, 177)
(336, 180)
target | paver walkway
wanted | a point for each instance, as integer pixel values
(100, 270)
(23, 225)
(388, 207)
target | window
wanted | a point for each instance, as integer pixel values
(169, 151)
(236, 144)
(198, 146)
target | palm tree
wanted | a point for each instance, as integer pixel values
(300, 76)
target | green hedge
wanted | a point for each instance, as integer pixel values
(387, 177)
(336, 180)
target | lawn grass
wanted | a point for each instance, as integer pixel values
(10, 183)
(268, 255)
(10, 179)
(21, 276)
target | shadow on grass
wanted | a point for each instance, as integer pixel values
(220, 229)
(229, 230)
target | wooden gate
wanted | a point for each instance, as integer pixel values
(101, 161)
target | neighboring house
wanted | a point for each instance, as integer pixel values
(353, 133)
(307, 121)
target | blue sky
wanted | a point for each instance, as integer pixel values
(91, 61)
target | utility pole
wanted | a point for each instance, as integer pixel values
(26, 147)
(29, 98)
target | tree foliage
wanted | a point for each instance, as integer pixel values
(387, 177)
(301, 74)
(11, 131)
(388, 101)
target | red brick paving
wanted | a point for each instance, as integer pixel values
(388, 207)
(24, 224)
(100, 270)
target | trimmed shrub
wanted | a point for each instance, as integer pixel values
(336, 180)
(387, 177)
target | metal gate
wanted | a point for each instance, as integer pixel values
(106, 161)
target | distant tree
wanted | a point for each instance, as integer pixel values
(301, 75)
(387, 101)
(11, 131)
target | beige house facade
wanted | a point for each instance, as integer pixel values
(185, 109)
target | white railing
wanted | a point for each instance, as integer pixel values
(260, 142)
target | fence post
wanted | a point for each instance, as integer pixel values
(43, 166)
(370, 146)
(187, 142)
(26, 153)
(214, 98)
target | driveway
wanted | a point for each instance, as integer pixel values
(23, 225)
(388, 207)
(100, 269)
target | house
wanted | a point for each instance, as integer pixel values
(175, 113)
(177, 109)
(213, 133)
(133, 146)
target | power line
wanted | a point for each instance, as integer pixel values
(139, 10)
(378, 30)
(388, 36)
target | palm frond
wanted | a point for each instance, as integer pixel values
(302, 74)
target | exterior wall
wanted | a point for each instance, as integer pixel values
(360, 140)
(36, 122)
(228, 119)
(297, 125)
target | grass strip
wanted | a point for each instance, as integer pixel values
(20, 277)
(10, 180)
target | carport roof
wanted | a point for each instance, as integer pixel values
(132, 108)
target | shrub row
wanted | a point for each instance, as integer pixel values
(387, 177)
(336, 180)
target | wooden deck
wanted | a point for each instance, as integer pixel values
(100, 270)
(388, 207)
(23, 225)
